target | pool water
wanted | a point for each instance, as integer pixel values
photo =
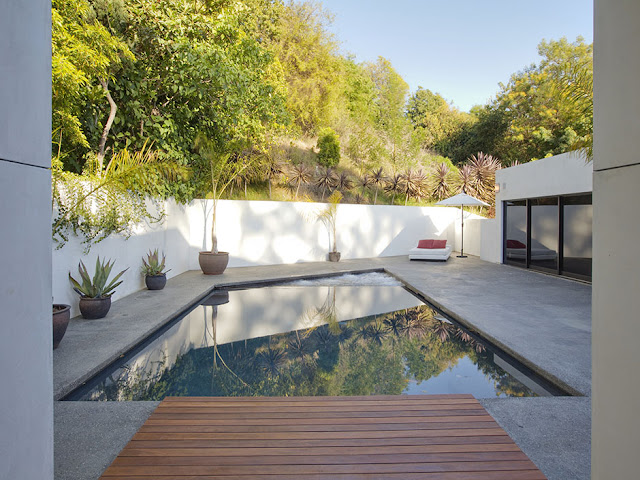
(312, 340)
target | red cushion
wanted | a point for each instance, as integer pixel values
(439, 244)
(515, 244)
(425, 243)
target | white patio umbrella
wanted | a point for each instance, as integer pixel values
(461, 200)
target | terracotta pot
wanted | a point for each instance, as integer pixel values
(334, 256)
(61, 314)
(156, 282)
(213, 263)
(92, 308)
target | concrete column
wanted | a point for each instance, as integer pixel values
(616, 234)
(26, 405)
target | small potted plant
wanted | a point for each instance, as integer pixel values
(95, 294)
(155, 276)
(328, 216)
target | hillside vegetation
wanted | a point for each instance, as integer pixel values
(264, 81)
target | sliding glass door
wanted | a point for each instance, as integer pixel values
(550, 234)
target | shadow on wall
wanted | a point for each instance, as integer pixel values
(261, 233)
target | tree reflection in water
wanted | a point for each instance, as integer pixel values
(378, 354)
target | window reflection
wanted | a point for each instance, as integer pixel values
(516, 232)
(577, 224)
(544, 233)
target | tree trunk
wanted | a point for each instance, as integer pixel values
(269, 189)
(214, 237)
(105, 133)
(375, 199)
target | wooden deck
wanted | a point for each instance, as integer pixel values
(382, 437)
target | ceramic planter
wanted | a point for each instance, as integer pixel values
(92, 308)
(213, 263)
(156, 282)
(334, 256)
(61, 314)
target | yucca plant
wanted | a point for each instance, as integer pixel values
(96, 287)
(152, 265)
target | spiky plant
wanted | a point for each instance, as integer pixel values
(465, 180)
(96, 287)
(152, 265)
(393, 186)
(412, 184)
(344, 182)
(483, 175)
(364, 181)
(273, 170)
(300, 174)
(326, 180)
(441, 181)
(377, 178)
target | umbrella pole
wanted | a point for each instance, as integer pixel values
(462, 255)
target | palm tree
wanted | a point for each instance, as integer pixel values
(393, 186)
(272, 170)
(377, 179)
(364, 181)
(344, 182)
(326, 180)
(300, 174)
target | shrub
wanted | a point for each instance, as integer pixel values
(329, 147)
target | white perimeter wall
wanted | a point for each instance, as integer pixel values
(26, 379)
(559, 175)
(616, 232)
(265, 233)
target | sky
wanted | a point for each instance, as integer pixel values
(460, 49)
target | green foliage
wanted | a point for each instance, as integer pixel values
(543, 110)
(96, 287)
(83, 53)
(152, 265)
(101, 202)
(329, 146)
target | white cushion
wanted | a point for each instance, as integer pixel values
(430, 253)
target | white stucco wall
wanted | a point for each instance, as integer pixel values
(264, 233)
(616, 230)
(26, 399)
(564, 174)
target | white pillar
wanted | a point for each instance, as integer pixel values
(26, 392)
(616, 234)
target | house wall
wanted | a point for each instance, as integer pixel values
(26, 402)
(264, 233)
(616, 230)
(563, 174)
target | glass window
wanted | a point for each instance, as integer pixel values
(515, 231)
(577, 224)
(544, 233)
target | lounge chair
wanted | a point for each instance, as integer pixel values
(431, 250)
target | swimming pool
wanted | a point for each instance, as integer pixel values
(338, 336)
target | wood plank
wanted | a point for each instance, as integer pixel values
(448, 437)
(452, 396)
(158, 471)
(485, 475)
(185, 442)
(185, 451)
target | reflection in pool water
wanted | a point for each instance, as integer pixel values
(311, 340)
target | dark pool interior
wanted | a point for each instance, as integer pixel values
(313, 340)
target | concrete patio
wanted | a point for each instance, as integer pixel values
(543, 321)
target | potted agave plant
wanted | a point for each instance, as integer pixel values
(155, 276)
(328, 216)
(95, 294)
